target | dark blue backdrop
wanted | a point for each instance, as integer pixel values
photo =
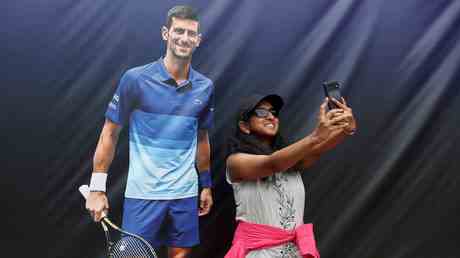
(390, 191)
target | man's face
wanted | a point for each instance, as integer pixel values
(182, 37)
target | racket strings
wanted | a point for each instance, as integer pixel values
(131, 247)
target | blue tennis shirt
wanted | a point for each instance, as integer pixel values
(164, 119)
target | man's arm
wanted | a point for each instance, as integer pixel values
(203, 159)
(106, 146)
(203, 152)
(105, 151)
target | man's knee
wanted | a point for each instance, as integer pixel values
(179, 252)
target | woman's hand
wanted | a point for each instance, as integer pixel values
(329, 122)
(346, 116)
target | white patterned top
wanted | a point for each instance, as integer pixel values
(277, 201)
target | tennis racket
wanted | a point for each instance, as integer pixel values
(126, 245)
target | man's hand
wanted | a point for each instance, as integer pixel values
(205, 201)
(97, 205)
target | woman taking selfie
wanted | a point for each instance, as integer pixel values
(265, 176)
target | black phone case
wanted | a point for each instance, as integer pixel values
(332, 90)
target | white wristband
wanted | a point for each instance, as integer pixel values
(98, 182)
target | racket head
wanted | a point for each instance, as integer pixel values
(129, 246)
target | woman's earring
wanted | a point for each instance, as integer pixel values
(244, 128)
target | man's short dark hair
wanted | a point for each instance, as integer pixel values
(182, 12)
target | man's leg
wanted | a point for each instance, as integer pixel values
(145, 218)
(179, 252)
(182, 227)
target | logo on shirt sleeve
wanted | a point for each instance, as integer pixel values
(114, 103)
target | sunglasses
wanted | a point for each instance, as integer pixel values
(264, 113)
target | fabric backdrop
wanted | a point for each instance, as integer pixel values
(390, 191)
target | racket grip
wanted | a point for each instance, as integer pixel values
(84, 190)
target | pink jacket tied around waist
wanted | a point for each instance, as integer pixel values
(251, 236)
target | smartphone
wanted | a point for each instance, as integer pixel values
(332, 90)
